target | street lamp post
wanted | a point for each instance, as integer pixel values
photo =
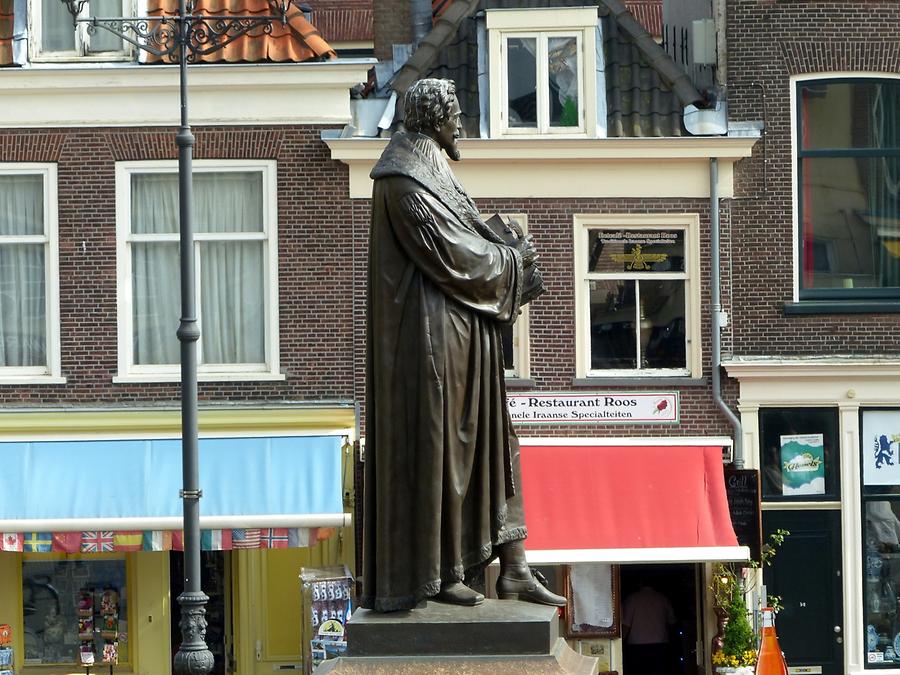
(185, 37)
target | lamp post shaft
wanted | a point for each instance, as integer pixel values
(193, 656)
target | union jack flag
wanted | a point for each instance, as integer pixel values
(245, 538)
(96, 541)
(274, 538)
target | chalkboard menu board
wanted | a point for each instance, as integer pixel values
(742, 490)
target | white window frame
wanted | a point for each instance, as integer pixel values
(82, 51)
(131, 372)
(51, 373)
(689, 223)
(521, 360)
(542, 24)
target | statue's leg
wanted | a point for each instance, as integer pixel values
(457, 593)
(518, 582)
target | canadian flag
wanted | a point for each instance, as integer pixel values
(12, 541)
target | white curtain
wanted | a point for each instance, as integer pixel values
(231, 271)
(57, 30)
(23, 301)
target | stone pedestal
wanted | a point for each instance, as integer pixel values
(499, 637)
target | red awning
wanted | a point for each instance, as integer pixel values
(627, 504)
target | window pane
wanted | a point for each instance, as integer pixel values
(21, 205)
(613, 313)
(156, 302)
(521, 62)
(154, 203)
(882, 556)
(102, 40)
(562, 67)
(23, 306)
(851, 222)
(799, 449)
(663, 324)
(57, 30)
(228, 202)
(65, 601)
(862, 114)
(232, 302)
(507, 338)
(616, 250)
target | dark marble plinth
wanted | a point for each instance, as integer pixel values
(497, 637)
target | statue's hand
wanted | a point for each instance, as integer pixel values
(525, 246)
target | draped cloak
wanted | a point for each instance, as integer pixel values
(442, 460)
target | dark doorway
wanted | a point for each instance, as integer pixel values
(678, 583)
(215, 580)
(806, 575)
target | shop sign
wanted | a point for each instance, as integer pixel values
(880, 439)
(594, 408)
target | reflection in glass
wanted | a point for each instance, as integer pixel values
(57, 593)
(851, 222)
(613, 315)
(103, 40)
(882, 576)
(860, 114)
(562, 68)
(57, 32)
(662, 324)
(522, 82)
(616, 250)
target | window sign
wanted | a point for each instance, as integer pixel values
(880, 444)
(803, 464)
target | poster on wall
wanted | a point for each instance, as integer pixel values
(880, 440)
(803, 464)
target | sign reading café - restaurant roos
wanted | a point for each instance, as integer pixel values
(593, 408)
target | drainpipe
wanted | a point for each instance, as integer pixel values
(420, 18)
(720, 318)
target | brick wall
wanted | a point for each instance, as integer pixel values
(392, 26)
(315, 261)
(768, 41)
(552, 316)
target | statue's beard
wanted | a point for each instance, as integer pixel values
(453, 153)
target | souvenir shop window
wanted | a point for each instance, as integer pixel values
(800, 459)
(879, 445)
(75, 610)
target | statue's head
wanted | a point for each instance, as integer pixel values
(431, 108)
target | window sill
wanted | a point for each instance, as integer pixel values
(519, 383)
(648, 380)
(201, 377)
(31, 379)
(807, 307)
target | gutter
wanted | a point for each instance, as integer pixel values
(719, 317)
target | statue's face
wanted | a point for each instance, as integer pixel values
(448, 133)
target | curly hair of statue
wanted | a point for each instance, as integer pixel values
(428, 103)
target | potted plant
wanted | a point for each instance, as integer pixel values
(734, 645)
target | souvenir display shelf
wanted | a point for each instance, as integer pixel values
(7, 655)
(98, 617)
(882, 607)
(326, 605)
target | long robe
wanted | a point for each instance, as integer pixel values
(442, 461)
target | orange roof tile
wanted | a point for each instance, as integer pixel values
(298, 40)
(346, 25)
(6, 31)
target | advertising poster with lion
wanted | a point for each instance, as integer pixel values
(880, 439)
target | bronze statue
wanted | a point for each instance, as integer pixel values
(442, 487)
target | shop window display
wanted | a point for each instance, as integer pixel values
(74, 611)
(880, 442)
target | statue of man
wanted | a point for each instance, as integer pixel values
(442, 476)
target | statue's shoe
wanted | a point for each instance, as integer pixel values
(457, 593)
(529, 590)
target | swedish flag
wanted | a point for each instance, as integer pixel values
(38, 542)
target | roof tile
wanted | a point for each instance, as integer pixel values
(298, 40)
(345, 25)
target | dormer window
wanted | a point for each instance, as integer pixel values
(545, 63)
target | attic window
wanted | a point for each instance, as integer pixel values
(546, 77)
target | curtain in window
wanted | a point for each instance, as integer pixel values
(23, 302)
(231, 270)
(57, 31)
(884, 191)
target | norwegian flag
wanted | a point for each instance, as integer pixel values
(274, 538)
(245, 539)
(12, 541)
(96, 541)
